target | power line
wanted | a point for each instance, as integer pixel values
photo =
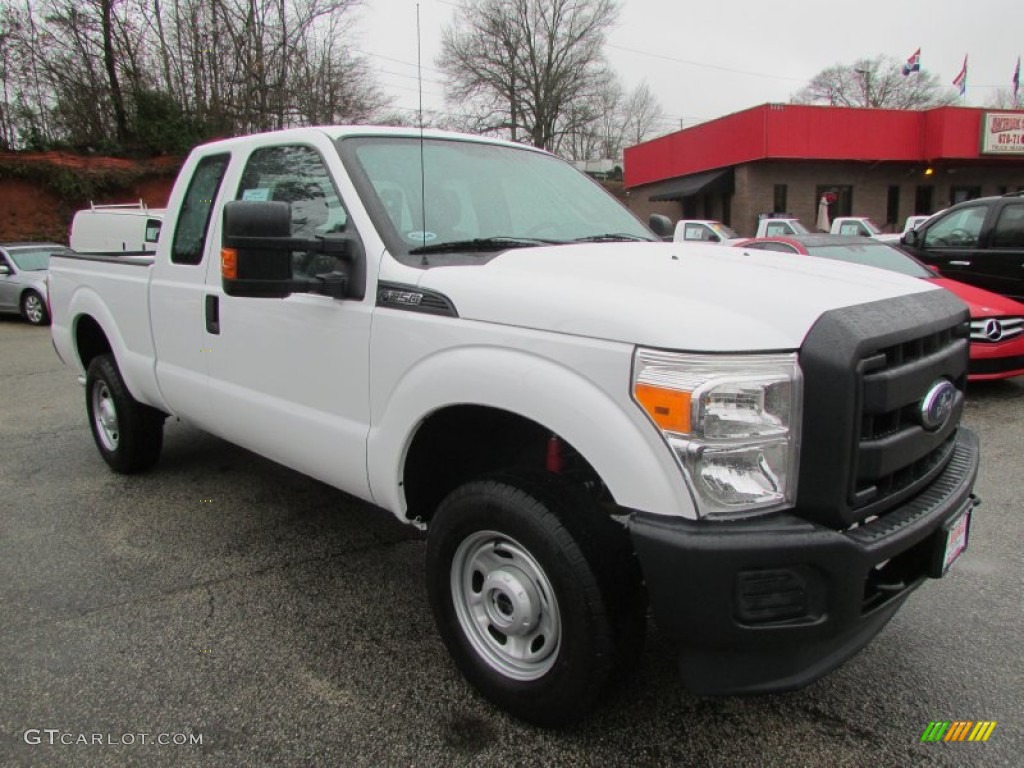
(707, 66)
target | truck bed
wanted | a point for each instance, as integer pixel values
(107, 286)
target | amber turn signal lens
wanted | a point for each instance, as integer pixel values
(669, 408)
(229, 263)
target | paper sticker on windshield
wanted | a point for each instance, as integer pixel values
(262, 193)
(420, 237)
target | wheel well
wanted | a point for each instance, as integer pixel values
(90, 340)
(460, 443)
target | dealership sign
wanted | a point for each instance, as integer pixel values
(1002, 133)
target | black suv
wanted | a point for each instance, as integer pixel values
(980, 242)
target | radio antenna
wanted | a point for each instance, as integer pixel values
(423, 178)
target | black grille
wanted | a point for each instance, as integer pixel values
(895, 453)
(867, 369)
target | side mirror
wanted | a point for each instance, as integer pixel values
(911, 237)
(660, 225)
(4, 269)
(714, 239)
(256, 258)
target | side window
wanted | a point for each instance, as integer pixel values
(153, 230)
(1009, 231)
(958, 228)
(194, 219)
(693, 232)
(297, 175)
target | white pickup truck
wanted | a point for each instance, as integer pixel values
(477, 338)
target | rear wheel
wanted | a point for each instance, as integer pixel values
(33, 309)
(129, 435)
(536, 595)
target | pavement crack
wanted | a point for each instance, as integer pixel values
(206, 584)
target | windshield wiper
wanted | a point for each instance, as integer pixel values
(612, 237)
(482, 244)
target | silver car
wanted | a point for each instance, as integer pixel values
(23, 279)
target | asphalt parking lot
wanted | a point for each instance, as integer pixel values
(284, 623)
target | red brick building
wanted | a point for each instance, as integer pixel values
(883, 163)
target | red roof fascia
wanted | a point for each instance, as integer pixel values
(801, 132)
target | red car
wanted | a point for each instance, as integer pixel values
(997, 322)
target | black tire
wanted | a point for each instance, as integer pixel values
(33, 308)
(129, 435)
(480, 547)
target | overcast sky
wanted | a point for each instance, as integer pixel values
(707, 58)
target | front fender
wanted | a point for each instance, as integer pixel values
(609, 431)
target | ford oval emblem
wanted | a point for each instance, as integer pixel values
(937, 405)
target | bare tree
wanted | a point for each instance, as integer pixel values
(159, 75)
(642, 113)
(529, 63)
(1003, 98)
(878, 82)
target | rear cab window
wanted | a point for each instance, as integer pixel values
(196, 208)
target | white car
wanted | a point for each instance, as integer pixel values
(23, 279)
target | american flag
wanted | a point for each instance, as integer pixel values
(913, 63)
(960, 81)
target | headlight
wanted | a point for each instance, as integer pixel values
(732, 421)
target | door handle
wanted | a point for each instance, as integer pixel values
(960, 263)
(213, 314)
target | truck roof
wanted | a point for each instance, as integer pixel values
(345, 131)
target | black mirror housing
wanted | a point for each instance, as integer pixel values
(910, 238)
(256, 260)
(660, 225)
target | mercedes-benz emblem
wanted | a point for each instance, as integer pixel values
(993, 330)
(937, 405)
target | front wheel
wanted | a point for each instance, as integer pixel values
(535, 593)
(129, 435)
(33, 309)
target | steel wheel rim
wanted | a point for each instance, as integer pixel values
(33, 309)
(506, 606)
(104, 416)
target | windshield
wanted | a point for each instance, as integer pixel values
(723, 231)
(481, 197)
(35, 259)
(873, 255)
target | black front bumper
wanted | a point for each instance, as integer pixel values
(773, 604)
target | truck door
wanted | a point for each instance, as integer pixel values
(1002, 263)
(178, 290)
(289, 378)
(952, 243)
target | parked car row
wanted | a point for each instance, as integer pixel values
(997, 322)
(23, 279)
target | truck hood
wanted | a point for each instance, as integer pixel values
(671, 295)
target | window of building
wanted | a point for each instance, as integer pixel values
(923, 199)
(843, 203)
(962, 193)
(892, 206)
(727, 210)
(779, 203)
